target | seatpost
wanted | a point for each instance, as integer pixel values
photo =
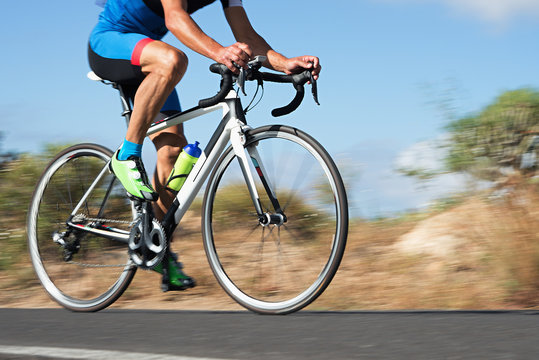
(126, 105)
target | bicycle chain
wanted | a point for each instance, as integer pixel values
(82, 217)
(101, 220)
(97, 265)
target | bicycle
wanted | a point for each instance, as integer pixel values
(274, 212)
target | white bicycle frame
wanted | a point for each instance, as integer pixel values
(231, 129)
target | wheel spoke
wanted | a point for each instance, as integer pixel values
(302, 174)
(282, 256)
(61, 198)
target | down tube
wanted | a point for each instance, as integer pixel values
(200, 173)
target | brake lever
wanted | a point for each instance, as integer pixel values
(314, 88)
(241, 81)
(247, 74)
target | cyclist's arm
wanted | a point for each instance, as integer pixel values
(244, 33)
(183, 27)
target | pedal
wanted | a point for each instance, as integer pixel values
(136, 198)
(165, 287)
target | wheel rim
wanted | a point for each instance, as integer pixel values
(100, 269)
(307, 250)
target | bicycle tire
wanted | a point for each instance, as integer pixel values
(100, 271)
(307, 249)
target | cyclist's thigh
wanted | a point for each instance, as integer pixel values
(158, 55)
(115, 56)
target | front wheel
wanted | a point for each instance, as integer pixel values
(283, 266)
(80, 270)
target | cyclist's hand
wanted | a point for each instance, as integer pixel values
(238, 54)
(298, 64)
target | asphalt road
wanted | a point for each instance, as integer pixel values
(243, 335)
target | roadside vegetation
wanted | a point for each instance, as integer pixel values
(473, 250)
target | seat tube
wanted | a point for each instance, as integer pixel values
(237, 138)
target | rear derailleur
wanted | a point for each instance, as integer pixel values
(69, 242)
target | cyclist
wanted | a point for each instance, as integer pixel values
(125, 47)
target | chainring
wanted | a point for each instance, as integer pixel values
(147, 253)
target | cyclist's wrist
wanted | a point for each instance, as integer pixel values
(276, 61)
(215, 51)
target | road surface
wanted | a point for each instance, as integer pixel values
(125, 334)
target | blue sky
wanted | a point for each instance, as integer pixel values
(386, 63)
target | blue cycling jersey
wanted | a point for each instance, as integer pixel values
(145, 16)
(123, 23)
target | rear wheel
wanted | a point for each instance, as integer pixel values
(80, 270)
(283, 266)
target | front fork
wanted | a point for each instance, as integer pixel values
(238, 138)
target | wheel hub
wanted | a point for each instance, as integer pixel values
(272, 219)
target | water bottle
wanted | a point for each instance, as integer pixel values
(183, 166)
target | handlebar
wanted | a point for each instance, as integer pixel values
(226, 85)
(252, 73)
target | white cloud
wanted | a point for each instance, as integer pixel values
(499, 12)
(426, 155)
(429, 156)
(381, 191)
(496, 11)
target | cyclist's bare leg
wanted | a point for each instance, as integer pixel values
(164, 66)
(168, 144)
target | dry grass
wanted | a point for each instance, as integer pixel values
(490, 260)
(493, 262)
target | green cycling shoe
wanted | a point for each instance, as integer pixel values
(133, 177)
(177, 279)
